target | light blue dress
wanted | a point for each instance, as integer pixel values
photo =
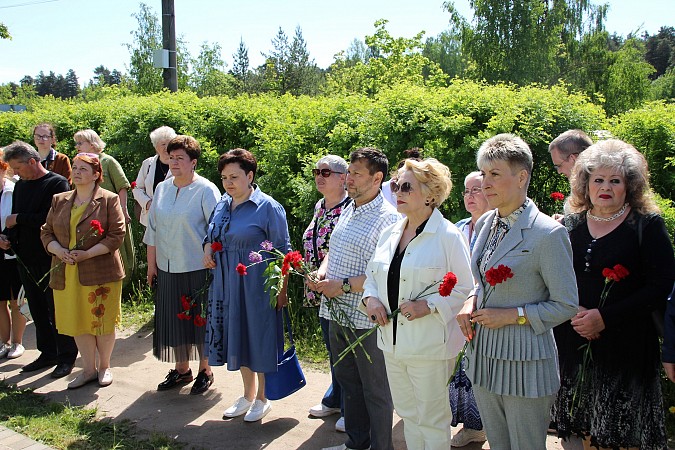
(242, 326)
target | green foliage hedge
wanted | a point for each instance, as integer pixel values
(288, 134)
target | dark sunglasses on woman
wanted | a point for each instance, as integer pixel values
(406, 188)
(324, 172)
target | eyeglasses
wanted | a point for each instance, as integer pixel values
(472, 191)
(324, 172)
(77, 144)
(557, 166)
(406, 188)
(42, 137)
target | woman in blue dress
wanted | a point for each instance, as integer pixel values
(242, 326)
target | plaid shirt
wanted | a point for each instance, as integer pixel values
(351, 245)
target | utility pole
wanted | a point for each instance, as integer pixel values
(169, 74)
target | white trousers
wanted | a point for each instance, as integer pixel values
(419, 389)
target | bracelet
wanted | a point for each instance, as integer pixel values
(472, 295)
(363, 302)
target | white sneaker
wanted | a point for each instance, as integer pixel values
(322, 410)
(465, 436)
(4, 349)
(258, 411)
(240, 407)
(340, 425)
(16, 351)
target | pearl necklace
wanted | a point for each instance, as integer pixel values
(610, 218)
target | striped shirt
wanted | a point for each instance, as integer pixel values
(351, 245)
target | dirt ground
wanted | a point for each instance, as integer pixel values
(196, 420)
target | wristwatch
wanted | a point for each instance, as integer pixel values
(346, 287)
(431, 306)
(522, 320)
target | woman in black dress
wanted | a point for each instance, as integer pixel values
(614, 221)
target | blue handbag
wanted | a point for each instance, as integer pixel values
(289, 377)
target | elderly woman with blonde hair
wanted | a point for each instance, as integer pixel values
(114, 180)
(421, 342)
(614, 224)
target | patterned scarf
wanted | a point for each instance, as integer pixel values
(500, 226)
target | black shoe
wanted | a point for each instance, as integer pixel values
(38, 364)
(202, 383)
(62, 370)
(174, 379)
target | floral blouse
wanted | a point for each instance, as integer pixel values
(316, 237)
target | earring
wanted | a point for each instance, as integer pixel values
(427, 203)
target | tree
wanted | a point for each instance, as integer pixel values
(71, 87)
(660, 50)
(627, 78)
(288, 67)
(393, 61)
(4, 32)
(446, 51)
(208, 76)
(104, 77)
(240, 67)
(524, 41)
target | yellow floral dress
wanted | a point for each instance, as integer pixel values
(85, 309)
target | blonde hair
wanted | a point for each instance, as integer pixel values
(433, 176)
(92, 137)
(617, 155)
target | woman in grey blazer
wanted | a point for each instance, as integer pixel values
(513, 361)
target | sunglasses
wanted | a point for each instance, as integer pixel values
(406, 188)
(324, 172)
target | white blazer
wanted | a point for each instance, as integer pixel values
(438, 249)
(6, 206)
(144, 190)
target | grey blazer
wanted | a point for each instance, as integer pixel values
(522, 360)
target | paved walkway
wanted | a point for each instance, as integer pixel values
(193, 420)
(10, 440)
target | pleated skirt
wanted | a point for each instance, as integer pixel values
(176, 339)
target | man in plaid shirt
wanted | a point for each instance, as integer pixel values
(367, 400)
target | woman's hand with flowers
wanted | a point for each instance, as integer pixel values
(464, 317)
(588, 323)
(207, 259)
(374, 307)
(416, 309)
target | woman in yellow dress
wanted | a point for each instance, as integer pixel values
(84, 229)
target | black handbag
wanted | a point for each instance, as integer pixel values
(289, 377)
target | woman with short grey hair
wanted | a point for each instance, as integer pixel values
(513, 362)
(154, 170)
(329, 174)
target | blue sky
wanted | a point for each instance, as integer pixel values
(82, 34)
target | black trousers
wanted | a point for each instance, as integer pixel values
(40, 298)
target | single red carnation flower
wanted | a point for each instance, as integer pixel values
(621, 272)
(285, 267)
(241, 269)
(216, 247)
(183, 316)
(557, 196)
(499, 274)
(133, 185)
(199, 321)
(609, 274)
(448, 284)
(96, 226)
(185, 302)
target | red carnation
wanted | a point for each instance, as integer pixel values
(285, 267)
(133, 185)
(294, 259)
(183, 316)
(216, 247)
(199, 321)
(498, 275)
(448, 284)
(557, 196)
(241, 269)
(96, 226)
(621, 272)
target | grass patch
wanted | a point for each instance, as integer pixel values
(70, 427)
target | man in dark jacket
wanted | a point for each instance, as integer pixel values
(31, 201)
